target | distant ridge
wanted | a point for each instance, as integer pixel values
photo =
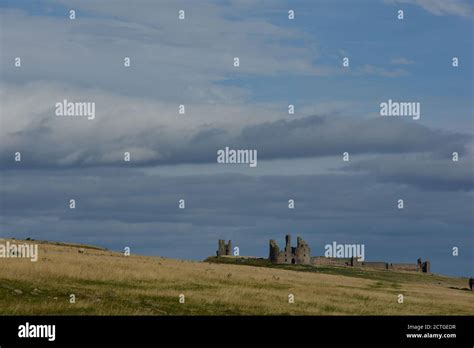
(73, 245)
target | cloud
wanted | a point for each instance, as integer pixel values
(155, 134)
(401, 61)
(171, 59)
(424, 172)
(441, 7)
(368, 69)
(389, 149)
(29, 125)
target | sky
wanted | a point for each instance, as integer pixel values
(190, 62)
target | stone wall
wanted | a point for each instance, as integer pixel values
(413, 267)
(375, 264)
(330, 261)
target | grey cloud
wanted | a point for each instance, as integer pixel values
(427, 173)
(311, 136)
(320, 136)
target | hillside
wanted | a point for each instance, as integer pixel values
(106, 282)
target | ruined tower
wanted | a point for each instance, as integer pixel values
(274, 252)
(302, 252)
(424, 267)
(223, 248)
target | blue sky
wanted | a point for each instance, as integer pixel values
(300, 156)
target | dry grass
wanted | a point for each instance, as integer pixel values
(108, 283)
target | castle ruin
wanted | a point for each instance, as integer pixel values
(419, 266)
(290, 255)
(301, 255)
(223, 248)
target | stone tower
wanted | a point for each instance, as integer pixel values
(223, 248)
(424, 267)
(274, 252)
(302, 252)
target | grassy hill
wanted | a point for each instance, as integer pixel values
(106, 282)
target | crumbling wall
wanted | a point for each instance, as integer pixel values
(375, 264)
(412, 267)
(332, 261)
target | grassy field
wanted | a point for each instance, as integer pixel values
(109, 283)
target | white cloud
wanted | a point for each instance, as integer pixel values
(171, 59)
(137, 124)
(369, 69)
(401, 61)
(441, 7)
